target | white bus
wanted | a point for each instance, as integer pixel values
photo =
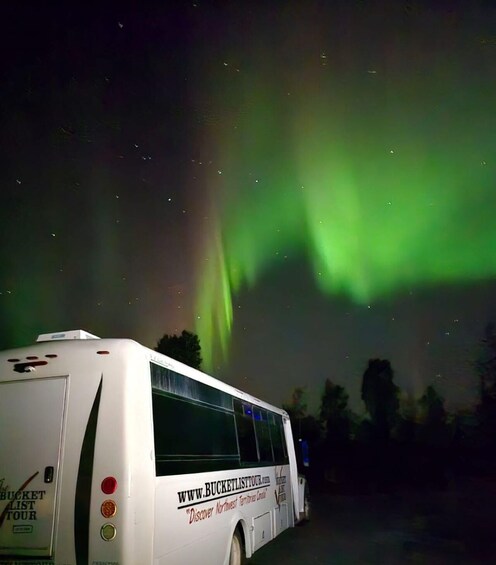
(111, 453)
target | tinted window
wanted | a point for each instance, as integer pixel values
(168, 380)
(246, 432)
(263, 435)
(191, 437)
(278, 440)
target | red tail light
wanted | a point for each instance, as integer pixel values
(109, 485)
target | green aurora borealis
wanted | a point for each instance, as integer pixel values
(306, 185)
(381, 177)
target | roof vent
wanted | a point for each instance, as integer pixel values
(71, 334)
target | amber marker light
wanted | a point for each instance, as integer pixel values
(108, 508)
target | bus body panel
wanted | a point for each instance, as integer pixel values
(195, 508)
(101, 425)
(124, 450)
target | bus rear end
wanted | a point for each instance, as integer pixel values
(69, 467)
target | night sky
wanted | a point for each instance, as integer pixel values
(304, 184)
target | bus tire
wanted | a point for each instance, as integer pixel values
(237, 553)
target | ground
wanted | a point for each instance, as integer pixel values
(453, 526)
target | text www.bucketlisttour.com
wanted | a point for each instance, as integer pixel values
(213, 489)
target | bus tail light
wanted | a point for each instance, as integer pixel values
(108, 532)
(109, 485)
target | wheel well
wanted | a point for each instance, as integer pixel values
(241, 529)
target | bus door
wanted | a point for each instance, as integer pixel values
(31, 432)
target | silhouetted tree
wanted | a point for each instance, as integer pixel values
(305, 427)
(335, 419)
(433, 436)
(433, 430)
(185, 348)
(335, 414)
(406, 426)
(297, 408)
(380, 395)
(486, 368)
(486, 363)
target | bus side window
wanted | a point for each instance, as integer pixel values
(278, 439)
(191, 437)
(263, 435)
(246, 432)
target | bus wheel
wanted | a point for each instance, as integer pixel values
(237, 555)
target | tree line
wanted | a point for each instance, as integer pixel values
(400, 439)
